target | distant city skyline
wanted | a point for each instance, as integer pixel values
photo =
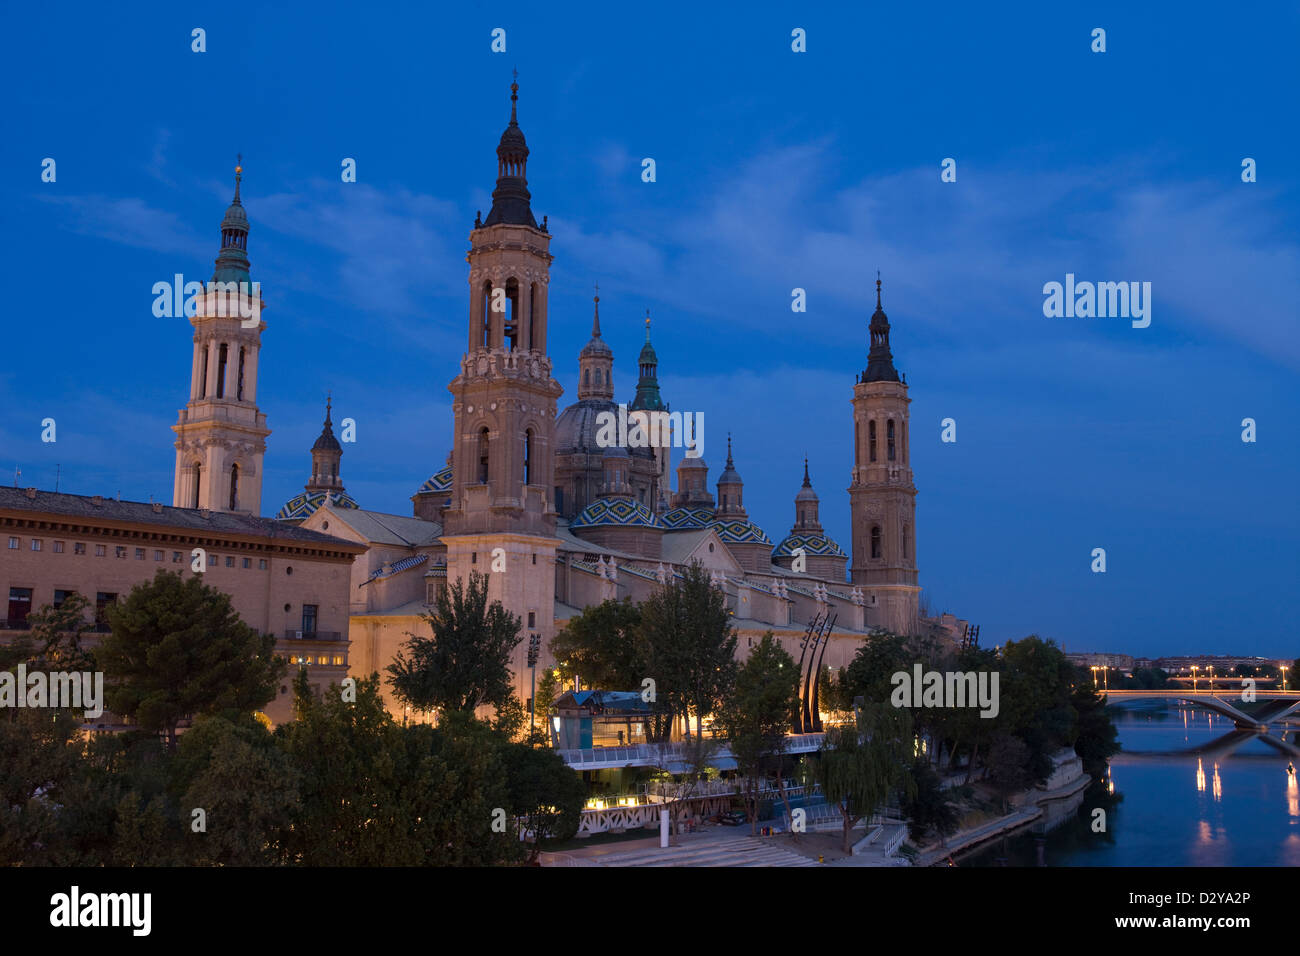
(775, 171)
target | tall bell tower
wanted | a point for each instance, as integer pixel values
(221, 434)
(882, 498)
(503, 406)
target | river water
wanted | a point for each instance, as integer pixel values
(1184, 791)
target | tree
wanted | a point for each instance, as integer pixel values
(1009, 770)
(465, 664)
(545, 795)
(757, 714)
(177, 650)
(53, 641)
(600, 647)
(690, 645)
(1098, 739)
(859, 766)
(928, 808)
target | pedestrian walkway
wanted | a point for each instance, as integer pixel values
(711, 850)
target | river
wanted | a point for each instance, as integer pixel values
(1184, 791)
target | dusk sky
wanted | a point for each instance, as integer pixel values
(775, 170)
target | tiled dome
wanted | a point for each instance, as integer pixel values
(740, 531)
(817, 544)
(682, 518)
(439, 482)
(615, 512)
(305, 504)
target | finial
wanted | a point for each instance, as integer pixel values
(329, 396)
(647, 326)
(514, 98)
(239, 173)
(728, 448)
(806, 482)
(877, 288)
(595, 321)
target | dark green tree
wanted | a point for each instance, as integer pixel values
(178, 650)
(758, 714)
(465, 664)
(928, 807)
(600, 646)
(546, 796)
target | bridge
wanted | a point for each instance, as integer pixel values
(1278, 704)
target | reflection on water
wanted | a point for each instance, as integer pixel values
(1188, 789)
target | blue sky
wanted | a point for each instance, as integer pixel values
(775, 170)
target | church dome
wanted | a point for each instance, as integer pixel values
(306, 504)
(439, 482)
(578, 425)
(737, 530)
(817, 544)
(683, 518)
(615, 512)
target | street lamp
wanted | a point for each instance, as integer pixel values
(1094, 676)
(1194, 668)
(1283, 678)
(1211, 670)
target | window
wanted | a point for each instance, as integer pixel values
(212, 560)
(532, 618)
(261, 564)
(338, 660)
(159, 555)
(239, 394)
(58, 547)
(891, 439)
(13, 544)
(534, 559)
(528, 456)
(230, 560)
(875, 541)
(79, 547)
(871, 438)
(487, 315)
(309, 621)
(139, 554)
(102, 601)
(100, 550)
(222, 351)
(248, 563)
(559, 500)
(61, 596)
(483, 456)
(473, 557)
(234, 487)
(20, 605)
(203, 387)
(119, 551)
(36, 544)
(323, 659)
(177, 557)
(198, 483)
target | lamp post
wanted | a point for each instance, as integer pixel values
(1194, 678)
(534, 645)
(1211, 670)
(1283, 678)
(1093, 668)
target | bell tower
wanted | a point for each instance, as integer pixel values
(221, 434)
(500, 521)
(882, 498)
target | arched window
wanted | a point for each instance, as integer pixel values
(487, 314)
(483, 457)
(528, 456)
(586, 376)
(597, 376)
(203, 386)
(234, 487)
(890, 435)
(875, 541)
(221, 370)
(871, 437)
(240, 393)
(512, 317)
(198, 482)
(533, 342)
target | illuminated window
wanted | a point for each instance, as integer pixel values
(338, 660)
(13, 544)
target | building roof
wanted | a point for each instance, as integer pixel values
(683, 519)
(818, 544)
(740, 531)
(439, 482)
(616, 513)
(380, 528)
(305, 505)
(144, 512)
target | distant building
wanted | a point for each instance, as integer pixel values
(1121, 662)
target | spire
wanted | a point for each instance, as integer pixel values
(232, 260)
(595, 319)
(647, 387)
(880, 362)
(327, 441)
(806, 482)
(510, 200)
(596, 362)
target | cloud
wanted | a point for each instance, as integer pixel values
(131, 222)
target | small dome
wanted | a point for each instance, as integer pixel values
(235, 217)
(817, 544)
(441, 482)
(306, 504)
(740, 531)
(616, 512)
(679, 519)
(577, 426)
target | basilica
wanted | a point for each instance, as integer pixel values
(533, 495)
